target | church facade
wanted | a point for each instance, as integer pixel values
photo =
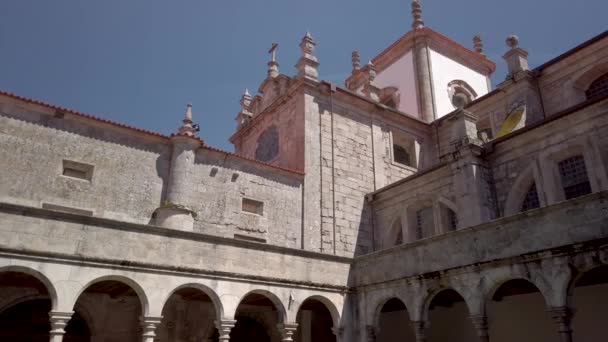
(414, 203)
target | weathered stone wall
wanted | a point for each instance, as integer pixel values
(129, 168)
(222, 182)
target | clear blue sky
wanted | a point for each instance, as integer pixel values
(141, 61)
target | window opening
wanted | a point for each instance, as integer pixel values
(530, 200)
(598, 88)
(401, 155)
(452, 220)
(77, 170)
(252, 206)
(574, 177)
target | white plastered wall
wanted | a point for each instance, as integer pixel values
(446, 70)
(401, 75)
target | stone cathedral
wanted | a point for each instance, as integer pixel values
(415, 202)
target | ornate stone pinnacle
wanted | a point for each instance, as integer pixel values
(246, 101)
(307, 45)
(512, 41)
(418, 23)
(308, 63)
(478, 44)
(187, 128)
(356, 60)
(371, 71)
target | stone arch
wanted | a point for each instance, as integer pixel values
(141, 294)
(276, 301)
(377, 309)
(331, 307)
(433, 293)
(580, 272)
(459, 86)
(215, 299)
(48, 284)
(520, 188)
(20, 300)
(394, 233)
(444, 215)
(586, 77)
(491, 290)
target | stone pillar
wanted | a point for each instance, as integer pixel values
(480, 323)
(423, 77)
(516, 58)
(371, 333)
(223, 328)
(149, 325)
(287, 330)
(562, 317)
(58, 322)
(419, 330)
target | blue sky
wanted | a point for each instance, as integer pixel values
(141, 61)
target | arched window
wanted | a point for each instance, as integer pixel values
(268, 145)
(598, 88)
(461, 87)
(575, 180)
(400, 154)
(531, 199)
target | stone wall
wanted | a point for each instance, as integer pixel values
(129, 168)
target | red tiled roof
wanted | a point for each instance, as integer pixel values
(139, 130)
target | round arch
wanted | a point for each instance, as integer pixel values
(141, 294)
(489, 294)
(586, 77)
(40, 277)
(578, 275)
(433, 294)
(335, 315)
(375, 319)
(276, 301)
(217, 303)
(520, 188)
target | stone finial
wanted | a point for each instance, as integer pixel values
(418, 23)
(516, 57)
(188, 127)
(245, 114)
(356, 60)
(478, 44)
(512, 41)
(273, 65)
(308, 63)
(371, 71)
(246, 100)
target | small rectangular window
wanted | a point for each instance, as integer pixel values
(574, 177)
(77, 170)
(252, 206)
(425, 225)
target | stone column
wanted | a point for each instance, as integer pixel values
(480, 323)
(149, 325)
(371, 333)
(419, 330)
(287, 330)
(223, 328)
(562, 317)
(424, 77)
(58, 322)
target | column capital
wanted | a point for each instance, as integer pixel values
(287, 330)
(149, 325)
(59, 320)
(562, 317)
(480, 322)
(419, 330)
(371, 333)
(224, 326)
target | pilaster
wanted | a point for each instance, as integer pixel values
(59, 320)
(424, 79)
(149, 325)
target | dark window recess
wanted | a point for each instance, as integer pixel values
(530, 200)
(252, 206)
(424, 223)
(574, 177)
(401, 155)
(452, 220)
(598, 88)
(268, 145)
(77, 170)
(399, 239)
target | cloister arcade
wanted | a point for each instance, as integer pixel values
(58, 302)
(558, 299)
